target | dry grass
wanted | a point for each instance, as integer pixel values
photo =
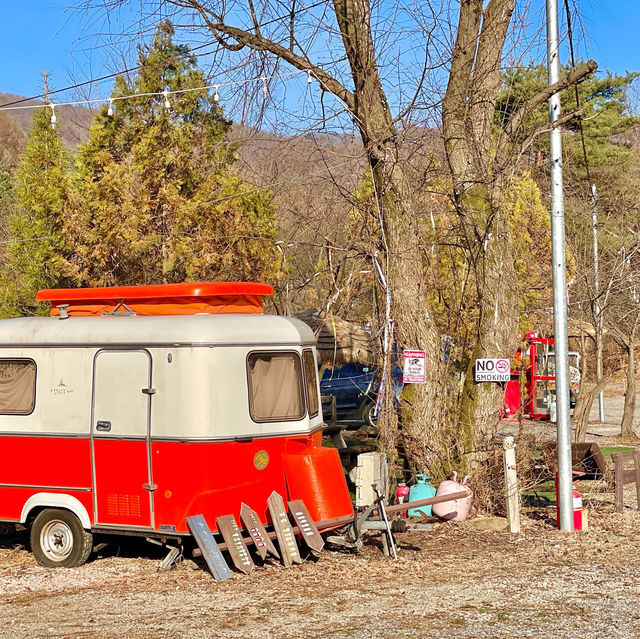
(451, 582)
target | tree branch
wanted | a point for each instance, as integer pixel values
(487, 73)
(254, 18)
(292, 25)
(548, 127)
(216, 25)
(579, 73)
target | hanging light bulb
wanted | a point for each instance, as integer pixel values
(309, 78)
(53, 116)
(110, 109)
(167, 104)
(265, 91)
(216, 95)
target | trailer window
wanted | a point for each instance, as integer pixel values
(17, 386)
(311, 380)
(275, 387)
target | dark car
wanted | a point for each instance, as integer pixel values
(355, 388)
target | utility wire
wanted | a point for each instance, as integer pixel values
(92, 81)
(130, 69)
(575, 88)
(165, 94)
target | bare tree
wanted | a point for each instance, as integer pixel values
(623, 322)
(350, 48)
(481, 165)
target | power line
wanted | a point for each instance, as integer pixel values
(575, 88)
(92, 81)
(130, 69)
(165, 94)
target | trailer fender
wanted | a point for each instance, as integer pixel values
(56, 500)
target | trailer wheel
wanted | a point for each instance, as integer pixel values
(58, 539)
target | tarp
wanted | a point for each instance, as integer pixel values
(160, 299)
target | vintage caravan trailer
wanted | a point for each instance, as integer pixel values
(130, 409)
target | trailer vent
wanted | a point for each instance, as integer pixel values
(123, 505)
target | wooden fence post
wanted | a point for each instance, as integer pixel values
(618, 481)
(511, 485)
(636, 469)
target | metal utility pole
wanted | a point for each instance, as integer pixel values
(559, 280)
(596, 305)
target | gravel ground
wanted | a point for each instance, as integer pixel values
(451, 582)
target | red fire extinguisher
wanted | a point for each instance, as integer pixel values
(401, 492)
(577, 503)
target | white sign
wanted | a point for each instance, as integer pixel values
(493, 370)
(414, 370)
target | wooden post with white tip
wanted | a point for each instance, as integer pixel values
(511, 485)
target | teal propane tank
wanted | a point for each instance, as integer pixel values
(421, 490)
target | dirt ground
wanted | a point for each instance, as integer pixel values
(451, 582)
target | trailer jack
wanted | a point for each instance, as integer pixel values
(351, 536)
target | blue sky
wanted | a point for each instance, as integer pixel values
(40, 35)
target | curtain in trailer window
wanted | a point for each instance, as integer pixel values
(17, 386)
(275, 389)
(310, 376)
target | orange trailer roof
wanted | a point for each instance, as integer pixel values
(160, 299)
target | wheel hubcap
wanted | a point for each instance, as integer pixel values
(56, 540)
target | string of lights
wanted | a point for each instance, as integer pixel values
(110, 101)
(111, 76)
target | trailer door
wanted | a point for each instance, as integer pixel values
(120, 436)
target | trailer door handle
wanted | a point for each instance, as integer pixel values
(103, 427)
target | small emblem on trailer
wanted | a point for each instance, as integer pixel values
(261, 459)
(61, 389)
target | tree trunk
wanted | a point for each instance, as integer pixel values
(626, 425)
(497, 337)
(467, 116)
(580, 411)
(583, 409)
(400, 242)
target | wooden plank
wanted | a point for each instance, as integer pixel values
(599, 459)
(636, 470)
(257, 531)
(625, 475)
(624, 456)
(618, 481)
(303, 519)
(284, 532)
(207, 544)
(235, 545)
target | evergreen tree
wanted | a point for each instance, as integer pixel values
(604, 100)
(40, 194)
(157, 197)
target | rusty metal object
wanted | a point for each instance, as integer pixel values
(235, 545)
(308, 529)
(424, 502)
(284, 532)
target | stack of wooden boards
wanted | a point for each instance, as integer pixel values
(238, 546)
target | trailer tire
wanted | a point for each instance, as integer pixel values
(59, 540)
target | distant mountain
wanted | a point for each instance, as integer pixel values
(73, 121)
